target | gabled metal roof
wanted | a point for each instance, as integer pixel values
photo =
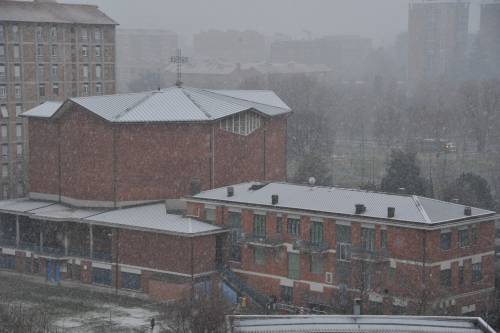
(333, 200)
(175, 104)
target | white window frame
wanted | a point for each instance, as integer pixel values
(85, 51)
(39, 34)
(86, 89)
(55, 71)
(98, 51)
(19, 130)
(4, 111)
(19, 149)
(85, 71)
(18, 91)
(98, 88)
(54, 51)
(16, 51)
(3, 70)
(98, 71)
(53, 34)
(55, 89)
(5, 150)
(17, 71)
(3, 91)
(2, 50)
(4, 131)
(19, 109)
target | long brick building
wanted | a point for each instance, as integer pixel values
(106, 173)
(327, 248)
(48, 51)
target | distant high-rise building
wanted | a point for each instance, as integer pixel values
(142, 53)
(48, 51)
(489, 39)
(437, 40)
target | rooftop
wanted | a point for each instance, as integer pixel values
(150, 217)
(175, 104)
(333, 200)
(52, 12)
(355, 324)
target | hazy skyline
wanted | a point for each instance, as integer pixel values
(381, 20)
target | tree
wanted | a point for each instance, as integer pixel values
(403, 174)
(313, 165)
(471, 190)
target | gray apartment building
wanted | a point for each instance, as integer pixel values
(48, 51)
(489, 38)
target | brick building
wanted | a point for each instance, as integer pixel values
(48, 51)
(326, 248)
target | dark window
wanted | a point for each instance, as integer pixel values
(259, 226)
(445, 240)
(101, 276)
(7, 261)
(445, 278)
(41, 90)
(383, 239)
(235, 226)
(368, 239)
(287, 294)
(293, 266)
(279, 224)
(316, 266)
(473, 234)
(130, 281)
(293, 227)
(316, 233)
(476, 272)
(463, 237)
(461, 278)
(343, 235)
(259, 256)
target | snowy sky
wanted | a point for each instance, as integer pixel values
(381, 20)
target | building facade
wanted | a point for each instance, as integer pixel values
(327, 249)
(489, 39)
(437, 41)
(48, 51)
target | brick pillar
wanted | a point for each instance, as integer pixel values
(20, 261)
(86, 271)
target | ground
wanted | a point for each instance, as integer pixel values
(78, 309)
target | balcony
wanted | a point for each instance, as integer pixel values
(275, 240)
(360, 253)
(307, 246)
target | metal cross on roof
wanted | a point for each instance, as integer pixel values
(179, 60)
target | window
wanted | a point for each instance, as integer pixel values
(234, 220)
(41, 72)
(97, 51)
(316, 233)
(279, 224)
(97, 34)
(461, 278)
(101, 276)
(98, 71)
(85, 51)
(17, 71)
(366, 276)
(15, 32)
(3, 91)
(19, 149)
(293, 266)
(55, 71)
(5, 150)
(344, 242)
(4, 130)
(55, 89)
(17, 90)
(39, 50)
(293, 226)
(2, 37)
(2, 70)
(85, 89)
(84, 34)
(19, 109)
(39, 34)
(210, 215)
(259, 255)
(5, 191)
(287, 294)
(476, 272)
(259, 226)
(130, 281)
(445, 278)
(15, 51)
(5, 171)
(41, 90)
(2, 50)
(54, 50)
(383, 239)
(19, 130)
(53, 33)
(98, 88)
(86, 71)
(368, 239)
(473, 234)
(316, 266)
(242, 123)
(445, 240)
(463, 237)
(4, 111)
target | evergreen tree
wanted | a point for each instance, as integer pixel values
(403, 174)
(471, 190)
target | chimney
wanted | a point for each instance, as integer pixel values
(391, 212)
(274, 199)
(360, 208)
(230, 191)
(467, 211)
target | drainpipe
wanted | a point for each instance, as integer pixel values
(59, 165)
(192, 269)
(114, 166)
(265, 133)
(212, 162)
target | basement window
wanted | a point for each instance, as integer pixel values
(101, 276)
(130, 281)
(243, 123)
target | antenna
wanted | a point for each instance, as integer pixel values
(179, 60)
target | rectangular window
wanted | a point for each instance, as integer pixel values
(97, 51)
(287, 294)
(316, 266)
(316, 233)
(445, 240)
(461, 276)
(4, 111)
(463, 237)
(55, 89)
(85, 71)
(55, 71)
(4, 130)
(15, 32)
(39, 50)
(235, 235)
(445, 278)
(383, 239)
(368, 239)
(293, 227)
(98, 89)
(5, 170)
(85, 51)
(279, 224)
(97, 34)
(3, 91)
(2, 50)
(17, 71)
(476, 272)
(2, 37)
(19, 130)
(101, 276)
(15, 52)
(85, 89)
(41, 90)
(210, 215)
(84, 34)
(98, 71)
(41, 72)
(5, 191)
(17, 90)
(5, 150)
(130, 281)
(293, 266)
(19, 109)
(259, 226)
(54, 51)
(344, 242)
(39, 34)
(259, 255)
(2, 71)
(473, 234)
(53, 33)
(19, 149)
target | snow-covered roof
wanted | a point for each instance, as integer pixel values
(52, 12)
(354, 324)
(175, 104)
(333, 200)
(151, 217)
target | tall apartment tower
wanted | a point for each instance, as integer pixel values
(48, 51)
(489, 38)
(437, 40)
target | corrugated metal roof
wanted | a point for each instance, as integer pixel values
(361, 324)
(52, 12)
(342, 201)
(175, 104)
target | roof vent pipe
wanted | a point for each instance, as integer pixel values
(391, 212)
(467, 211)
(230, 191)
(274, 199)
(360, 208)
